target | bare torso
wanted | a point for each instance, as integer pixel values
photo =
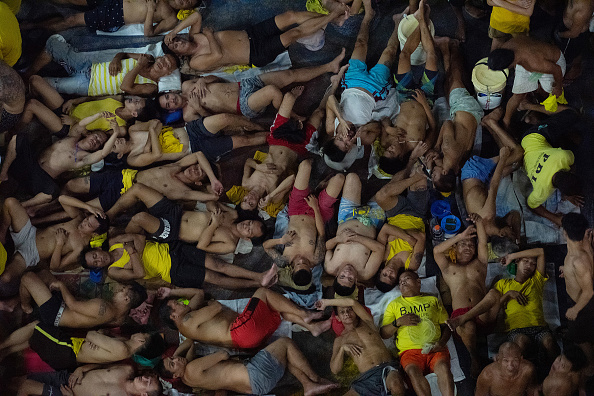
(235, 48)
(304, 243)
(501, 385)
(162, 178)
(413, 120)
(353, 253)
(215, 331)
(229, 375)
(61, 156)
(531, 53)
(373, 349)
(46, 239)
(135, 11)
(578, 12)
(572, 260)
(466, 283)
(108, 381)
(285, 160)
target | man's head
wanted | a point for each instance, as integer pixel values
(94, 258)
(392, 165)
(526, 267)
(93, 141)
(443, 181)
(501, 59)
(335, 152)
(171, 101)
(502, 246)
(347, 316)
(146, 385)
(130, 295)
(509, 358)
(465, 250)
(183, 4)
(346, 280)
(252, 229)
(165, 65)
(181, 46)
(574, 226)
(172, 367)
(94, 225)
(572, 359)
(386, 278)
(301, 270)
(134, 104)
(568, 183)
(195, 174)
(250, 200)
(171, 311)
(410, 283)
(344, 138)
(148, 345)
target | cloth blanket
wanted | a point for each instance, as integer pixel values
(135, 29)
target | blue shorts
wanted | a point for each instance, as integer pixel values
(264, 371)
(247, 87)
(376, 80)
(406, 85)
(212, 145)
(370, 214)
(478, 168)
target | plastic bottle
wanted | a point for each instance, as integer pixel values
(437, 234)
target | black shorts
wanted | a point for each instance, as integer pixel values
(106, 185)
(579, 331)
(53, 347)
(187, 265)
(265, 42)
(26, 170)
(169, 214)
(8, 120)
(50, 312)
(212, 145)
(107, 15)
(555, 128)
(51, 381)
(413, 204)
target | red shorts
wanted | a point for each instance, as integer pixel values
(298, 205)
(299, 148)
(254, 325)
(424, 362)
(480, 325)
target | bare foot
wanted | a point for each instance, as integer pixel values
(319, 388)
(336, 78)
(26, 307)
(493, 116)
(342, 14)
(297, 91)
(270, 277)
(318, 328)
(9, 305)
(313, 315)
(334, 66)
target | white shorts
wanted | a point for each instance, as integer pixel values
(25, 244)
(526, 81)
(356, 106)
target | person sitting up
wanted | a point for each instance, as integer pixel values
(304, 241)
(258, 45)
(216, 324)
(112, 15)
(566, 375)
(456, 137)
(215, 231)
(259, 376)
(510, 374)
(536, 62)
(12, 94)
(572, 33)
(481, 177)
(521, 298)
(60, 351)
(548, 166)
(411, 318)
(132, 257)
(59, 243)
(361, 340)
(509, 19)
(91, 380)
(354, 245)
(465, 273)
(59, 308)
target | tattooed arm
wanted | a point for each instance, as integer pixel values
(280, 260)
(320, 251)
(12, 90)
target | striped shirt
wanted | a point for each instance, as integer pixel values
(103, 83)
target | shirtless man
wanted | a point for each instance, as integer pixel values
(566, 374)
(205, 96)
(571, 34)
(509, 375)
(218, 325)
(59, 243)
(354, 244)
(217, 371)
(466, 280)
(73, 152)
(481, 177)
(131, 257)
(530, 57)
(112, 15)
(60, 351)
(61, 309)
(456, 137)
(215, 231)
(304, 242)
(361, 340)
(577, 270)
(91, 380)
(258, 45)
(175, 181)
(12, 97)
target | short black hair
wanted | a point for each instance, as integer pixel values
(392, 165)
(154, 347)
(149, 111)
(333, 152)
(302, 277)
(257, 241)
(137, 295)
(503, 246)
(82, 260)
(103, 225)
(343, 291)
(567, 182)
(500, 59)
(165, 315)
(446, 183)
(575, 225)
(576, 356)
(404, 271)
(382, 286)
(163, 371)
(169, 51)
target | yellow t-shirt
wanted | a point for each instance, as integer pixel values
(406, 222)
(156, 261)
(530, 315)
(541, 162)
(432, 314)
(10, 36)
(88, 109)
(103, 83)
(509, 22)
